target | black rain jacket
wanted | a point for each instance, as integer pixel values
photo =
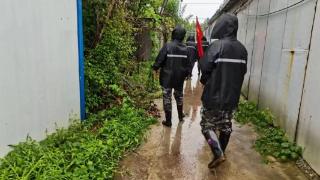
(223, 66)
(173, 61)
(205, 45)
(192, 48)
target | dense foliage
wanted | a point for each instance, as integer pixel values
(272, 140)
(109, 64)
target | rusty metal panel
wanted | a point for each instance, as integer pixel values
(258, 52)
(290, 82)
(293, 62)
(249, 41)
(309, 125)
(272, 56)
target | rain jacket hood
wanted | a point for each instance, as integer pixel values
(174, 61)
(191, 39)
(192, 48)
(226, 27)
(178, 33)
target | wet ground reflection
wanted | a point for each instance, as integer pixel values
(181, 152)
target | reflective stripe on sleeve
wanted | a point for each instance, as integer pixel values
(177, 56)
(191, 47)
(230, 60)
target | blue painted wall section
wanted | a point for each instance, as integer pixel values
(81, 60)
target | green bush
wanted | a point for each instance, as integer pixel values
(106, 63)
(83, 151)
(272, 140)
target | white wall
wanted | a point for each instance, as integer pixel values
(39, 75)
(309, 124)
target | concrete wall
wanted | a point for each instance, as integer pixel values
(283, 67)
(39, 70)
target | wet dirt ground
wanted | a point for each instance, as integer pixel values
(181, 152)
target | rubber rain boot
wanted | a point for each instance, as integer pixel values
(214, 144)
(167, 122)
(180, 113)
(224, 140)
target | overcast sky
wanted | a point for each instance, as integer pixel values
(201, 8)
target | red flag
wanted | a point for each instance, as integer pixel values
(199, 38)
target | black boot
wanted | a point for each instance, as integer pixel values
(224, 140)
(180, 113)
(214, 144)
(167, 122)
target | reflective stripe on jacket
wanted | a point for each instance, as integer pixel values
(223, 66)
(174, 64)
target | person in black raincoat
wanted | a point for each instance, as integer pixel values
(223, 68)
(192, 48)
(174, 62)
(205, 45)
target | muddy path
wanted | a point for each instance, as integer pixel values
(182, 153)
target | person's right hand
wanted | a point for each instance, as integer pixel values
(155, 73)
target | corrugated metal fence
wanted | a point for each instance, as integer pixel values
(283, 42)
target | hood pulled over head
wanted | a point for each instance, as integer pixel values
(191, 39)
(178, 33)
(225, 27)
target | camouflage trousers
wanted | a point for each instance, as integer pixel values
(216, 120)
(167, 100)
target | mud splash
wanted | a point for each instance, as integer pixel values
(181, 152)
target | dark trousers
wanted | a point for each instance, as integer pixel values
(199, 69)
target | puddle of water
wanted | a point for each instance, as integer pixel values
(181, 152)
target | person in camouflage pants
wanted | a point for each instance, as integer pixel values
(216, 120)
(223, 68)
(167, 100)
(219, 122)
(174, 62)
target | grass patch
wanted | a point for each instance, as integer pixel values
(272, 140)
(90, 150)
